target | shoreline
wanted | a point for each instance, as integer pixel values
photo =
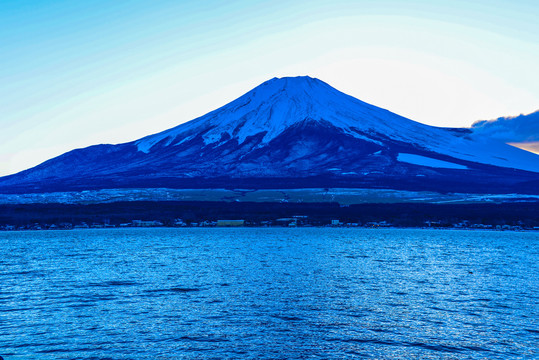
(272, 227)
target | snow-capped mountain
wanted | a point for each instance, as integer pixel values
(291, 133)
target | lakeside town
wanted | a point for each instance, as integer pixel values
(487, 216)
(291, 222)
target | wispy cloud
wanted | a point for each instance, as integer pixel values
(521, 131)
(522, 128)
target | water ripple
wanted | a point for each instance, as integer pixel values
(268, 294)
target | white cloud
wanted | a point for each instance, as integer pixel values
(522, 128)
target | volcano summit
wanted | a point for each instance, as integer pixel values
(293, 133)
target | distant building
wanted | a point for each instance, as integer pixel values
(146, 223)
(287, 221)
(375, 224)
(230, 223)
(179, 222)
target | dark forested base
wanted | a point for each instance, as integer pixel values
(503, 181)
(404, 214)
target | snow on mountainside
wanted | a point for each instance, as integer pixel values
(278, 104)
(293, 133)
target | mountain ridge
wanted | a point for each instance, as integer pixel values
(293, 132)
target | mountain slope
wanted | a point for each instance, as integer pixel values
(290, 133)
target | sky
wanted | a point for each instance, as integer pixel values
(79, 73)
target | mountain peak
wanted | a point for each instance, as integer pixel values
(297, 87)
(271, 107)
(279, 103)
(293, 80)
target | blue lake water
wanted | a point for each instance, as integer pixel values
(246, 293)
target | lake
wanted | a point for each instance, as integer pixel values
(269, 293)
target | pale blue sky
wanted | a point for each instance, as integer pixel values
(77, 73)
